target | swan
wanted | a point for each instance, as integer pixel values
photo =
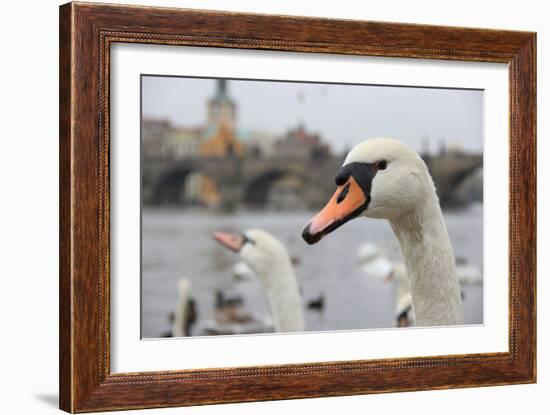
(241, 271)
(373, 263)
(185, 314)
(270, 262)
(383, 178)
(403, 311)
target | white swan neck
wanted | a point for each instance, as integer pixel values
(283, 296)
(430, 264)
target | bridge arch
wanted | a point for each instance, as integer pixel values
(186, 186)
(461, 175)
(449, 171)
(470, 186)
(278, 187)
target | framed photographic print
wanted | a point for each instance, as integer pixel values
(259, 207)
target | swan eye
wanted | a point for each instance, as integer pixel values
(381, 165)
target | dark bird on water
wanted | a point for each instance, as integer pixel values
(317, 304)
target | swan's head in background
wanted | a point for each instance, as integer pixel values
(380, 178)
(260, 250)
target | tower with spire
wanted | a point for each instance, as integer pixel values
(221, 139)
(221, 109)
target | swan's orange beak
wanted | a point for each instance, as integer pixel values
(232, 241)
(348, 201)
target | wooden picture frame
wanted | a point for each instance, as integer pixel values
(86, 33)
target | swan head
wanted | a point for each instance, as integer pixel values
(380, 178)
(260, 250)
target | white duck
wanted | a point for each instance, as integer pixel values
(270, 262)
(383, 178)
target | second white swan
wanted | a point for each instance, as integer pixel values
(269, 260)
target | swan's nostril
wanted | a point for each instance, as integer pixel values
(343, 194)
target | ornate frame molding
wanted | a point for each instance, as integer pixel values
(86, 33)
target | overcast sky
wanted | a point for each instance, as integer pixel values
(343, 114)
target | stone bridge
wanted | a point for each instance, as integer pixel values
(239, 180)
(449, 170)
(247, 181)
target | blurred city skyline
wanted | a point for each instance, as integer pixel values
(341, 114)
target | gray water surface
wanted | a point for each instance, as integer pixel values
(177, 243)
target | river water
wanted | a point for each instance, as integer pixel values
(177, 243)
